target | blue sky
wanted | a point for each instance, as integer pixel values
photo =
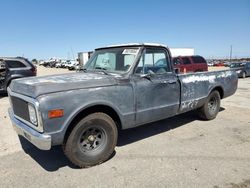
(56, 28)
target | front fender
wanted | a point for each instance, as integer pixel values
(87, 106)
(75, 101)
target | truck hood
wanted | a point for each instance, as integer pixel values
(35, 86)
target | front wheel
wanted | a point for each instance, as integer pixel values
(211, 107)
(92, 140)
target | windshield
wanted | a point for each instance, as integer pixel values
(112, 59)
(236, 65)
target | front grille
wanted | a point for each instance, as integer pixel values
(20, 108)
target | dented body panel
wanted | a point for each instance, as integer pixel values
(135, 99)
(195, 87)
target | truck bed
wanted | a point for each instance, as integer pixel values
(195, 87)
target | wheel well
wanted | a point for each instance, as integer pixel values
(220, 90)
(8, 83)
(10, 80)
(97, 108)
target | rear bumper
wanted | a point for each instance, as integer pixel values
(41, 141)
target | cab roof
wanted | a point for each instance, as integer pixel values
(133, 45)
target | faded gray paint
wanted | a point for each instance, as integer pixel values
(58, 83)
(136, 100)
(196, 87)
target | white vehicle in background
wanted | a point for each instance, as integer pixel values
(72, 64)
(41, 62)
(60, 64)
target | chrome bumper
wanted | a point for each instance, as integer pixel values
(41, 141)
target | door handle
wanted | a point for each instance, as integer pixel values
(168, 81)
(164, 82)
(171, 81)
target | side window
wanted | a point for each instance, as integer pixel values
(186, 61)
(155, 61)
(198, 59)
(14, 64)
(248, 65)
(106, 61)
(176, 61)
(128, 60)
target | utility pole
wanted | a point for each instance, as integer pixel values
(68, 58)
(72, 53)
(231, 51)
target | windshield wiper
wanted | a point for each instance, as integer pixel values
(83, 69)
(101, 69)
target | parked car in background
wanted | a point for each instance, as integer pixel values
(58, 65)
(78, 67)
(227, 63)
(61, 64)
(66, 64)
(210, 63)
(50, 63)
(13, 68)
(46, 63)
(242, 69)
(41, 62)
(219, 64)
(190, 64)
(72, 65)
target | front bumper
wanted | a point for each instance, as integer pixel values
(41, 141)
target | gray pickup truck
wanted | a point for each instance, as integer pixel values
(120, 87)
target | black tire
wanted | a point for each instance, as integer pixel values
(92, 140)
(211, 107)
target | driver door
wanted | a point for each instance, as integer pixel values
(157, 90)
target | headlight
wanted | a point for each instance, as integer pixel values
(32, 114)
(238, 71)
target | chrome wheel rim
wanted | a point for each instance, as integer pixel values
(212, 105)
(92, 139)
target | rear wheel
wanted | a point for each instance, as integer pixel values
(92, 140)
(211, 107)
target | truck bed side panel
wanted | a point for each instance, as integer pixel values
(197, 86)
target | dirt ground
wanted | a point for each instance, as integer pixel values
(182, 151)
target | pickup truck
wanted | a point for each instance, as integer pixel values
(120, 87)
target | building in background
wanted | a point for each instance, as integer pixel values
(181, 51)
(83, 57)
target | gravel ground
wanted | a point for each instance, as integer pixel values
(177, 152)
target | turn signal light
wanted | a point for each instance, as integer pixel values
(56, 113)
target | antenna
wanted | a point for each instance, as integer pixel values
(68, 56)
(72, 52)
(231, 51)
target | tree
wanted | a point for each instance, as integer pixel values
(34, 61)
